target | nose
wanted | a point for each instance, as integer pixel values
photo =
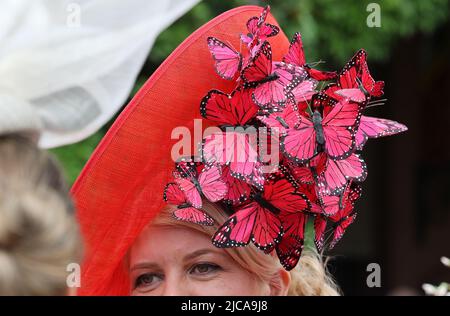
(175, 286)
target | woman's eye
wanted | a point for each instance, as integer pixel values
(204, 268)
(147, 280)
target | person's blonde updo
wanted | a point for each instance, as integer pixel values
(38, 232)
(309, 278)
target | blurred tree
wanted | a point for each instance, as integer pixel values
(331, 30)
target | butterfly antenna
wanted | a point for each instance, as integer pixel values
(315, 63)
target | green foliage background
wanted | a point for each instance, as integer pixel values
(332, 31)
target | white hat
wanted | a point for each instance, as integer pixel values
(69, 66)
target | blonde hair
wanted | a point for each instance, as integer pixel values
(309, 278)
(38, 232)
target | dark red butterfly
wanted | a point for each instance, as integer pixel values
(341, 220)
(228, 62)
(185, 211)
(374, 127)
(258, 220)
(334, 133)
(296, 56)
(209, 183)
(236, 109)
(272, 81)
(238, 190)
(258, 30)
(355, 82)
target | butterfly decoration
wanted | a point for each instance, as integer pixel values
(320, 131)
(227, 61)
(185, 211)
(259, 30)
(355, 81)
(333, 133)
(296, 56)
(208, 183)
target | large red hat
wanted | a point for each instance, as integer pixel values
(119, 190)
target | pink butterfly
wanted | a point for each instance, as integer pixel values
(272, 81)
(209, 183)
(335, 133)
(185, 211)
(338, 172)
(283, 120)
(258, 30)
(296, 56)
(257, 221)
(373, 127)
(237, 149)
(228, 62)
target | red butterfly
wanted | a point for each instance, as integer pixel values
(290, 247)
(373, 127)
(185, 211)
(258, 30)
(296, 56)
(341, 220)
(238, 190)
(355, 82)
(236, 109)
(334, 133)
(273, 81)
(228, 61)
(258, 220)
(209, 183)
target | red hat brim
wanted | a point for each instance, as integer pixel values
(120, 189)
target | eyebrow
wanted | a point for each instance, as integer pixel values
(204, 251)
(197, 253)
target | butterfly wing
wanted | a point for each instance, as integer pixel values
(299, 143)
(190, 191)
(287, 118)
(212, 185)
(259, 67)
(338, 172)
(193, 215)
(295, 55)
(235, 109)
(173, 194)
(354, 94)
(338, 129)
(238, 190)
(227, 60)
(250, 222)
(320, 224)
(290, 248)
(373, 127)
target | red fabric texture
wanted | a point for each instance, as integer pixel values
(120, 189)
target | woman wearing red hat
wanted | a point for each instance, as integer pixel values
(137, 244)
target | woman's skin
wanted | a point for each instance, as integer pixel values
(181, 261)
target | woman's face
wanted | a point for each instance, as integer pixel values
(181, 261)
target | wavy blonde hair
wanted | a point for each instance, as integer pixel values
(309, 278)
(38, 232)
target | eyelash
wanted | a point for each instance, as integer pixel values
(140, 279)
(212, 266)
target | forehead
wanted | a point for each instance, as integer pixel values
(174, 242)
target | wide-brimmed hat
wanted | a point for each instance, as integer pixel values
(120, 189)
